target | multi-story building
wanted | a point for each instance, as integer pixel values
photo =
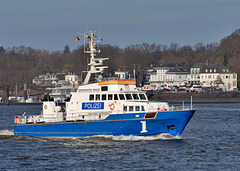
(194, 76)
(216, 75)
(56, 80)
(168, 77)
(204, 74)
(46, 80)
(158, 77)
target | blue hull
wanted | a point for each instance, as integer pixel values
(172, 122)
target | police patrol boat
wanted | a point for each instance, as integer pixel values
(105, 107)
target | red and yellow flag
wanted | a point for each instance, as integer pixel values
(77, 39)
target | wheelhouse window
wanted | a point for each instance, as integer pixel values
(110, 97)
(135, 97)
(142, 96)
(121, 97)
(91, 97)
(142, 108)
(128, 96)
(104, 88)
(97, 97)
(115, 97)
(104, 96)
(125, 108)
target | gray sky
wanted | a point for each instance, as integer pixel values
(51, 24)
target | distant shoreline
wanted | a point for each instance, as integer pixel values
(206, 97)
(180, 97)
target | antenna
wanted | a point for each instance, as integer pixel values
(95, 64)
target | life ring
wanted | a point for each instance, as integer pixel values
(45, 107)
(112, 106)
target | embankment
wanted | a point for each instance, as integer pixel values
(206, 97)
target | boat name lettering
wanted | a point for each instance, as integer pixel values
(92, 105)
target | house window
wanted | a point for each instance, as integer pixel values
(206, 70)
(234, 83)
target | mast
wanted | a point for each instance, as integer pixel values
(94, 63)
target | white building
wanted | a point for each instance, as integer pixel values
(47, 79)
(216, 75)
(72, 78)
(168, 77)
(122, 75)
(194, 76)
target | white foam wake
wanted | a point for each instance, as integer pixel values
(145, 138)
(6, 132)
(140, 138)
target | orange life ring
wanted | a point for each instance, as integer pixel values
(112, 106)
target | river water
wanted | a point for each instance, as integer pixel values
(211, 141)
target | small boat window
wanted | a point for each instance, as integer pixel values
(121, 97)
(110, 97)
(142, 96)
(135, 97)
(125, 108)
(142, 108)
(115, 97)
(97, 97)
(128, 96)
(104, 88)
(130, 108)
(91, 97)
(137, 108)
(151, 115)
(104, 96)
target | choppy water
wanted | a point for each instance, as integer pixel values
(211, 141)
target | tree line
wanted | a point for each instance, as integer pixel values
(19, 65)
